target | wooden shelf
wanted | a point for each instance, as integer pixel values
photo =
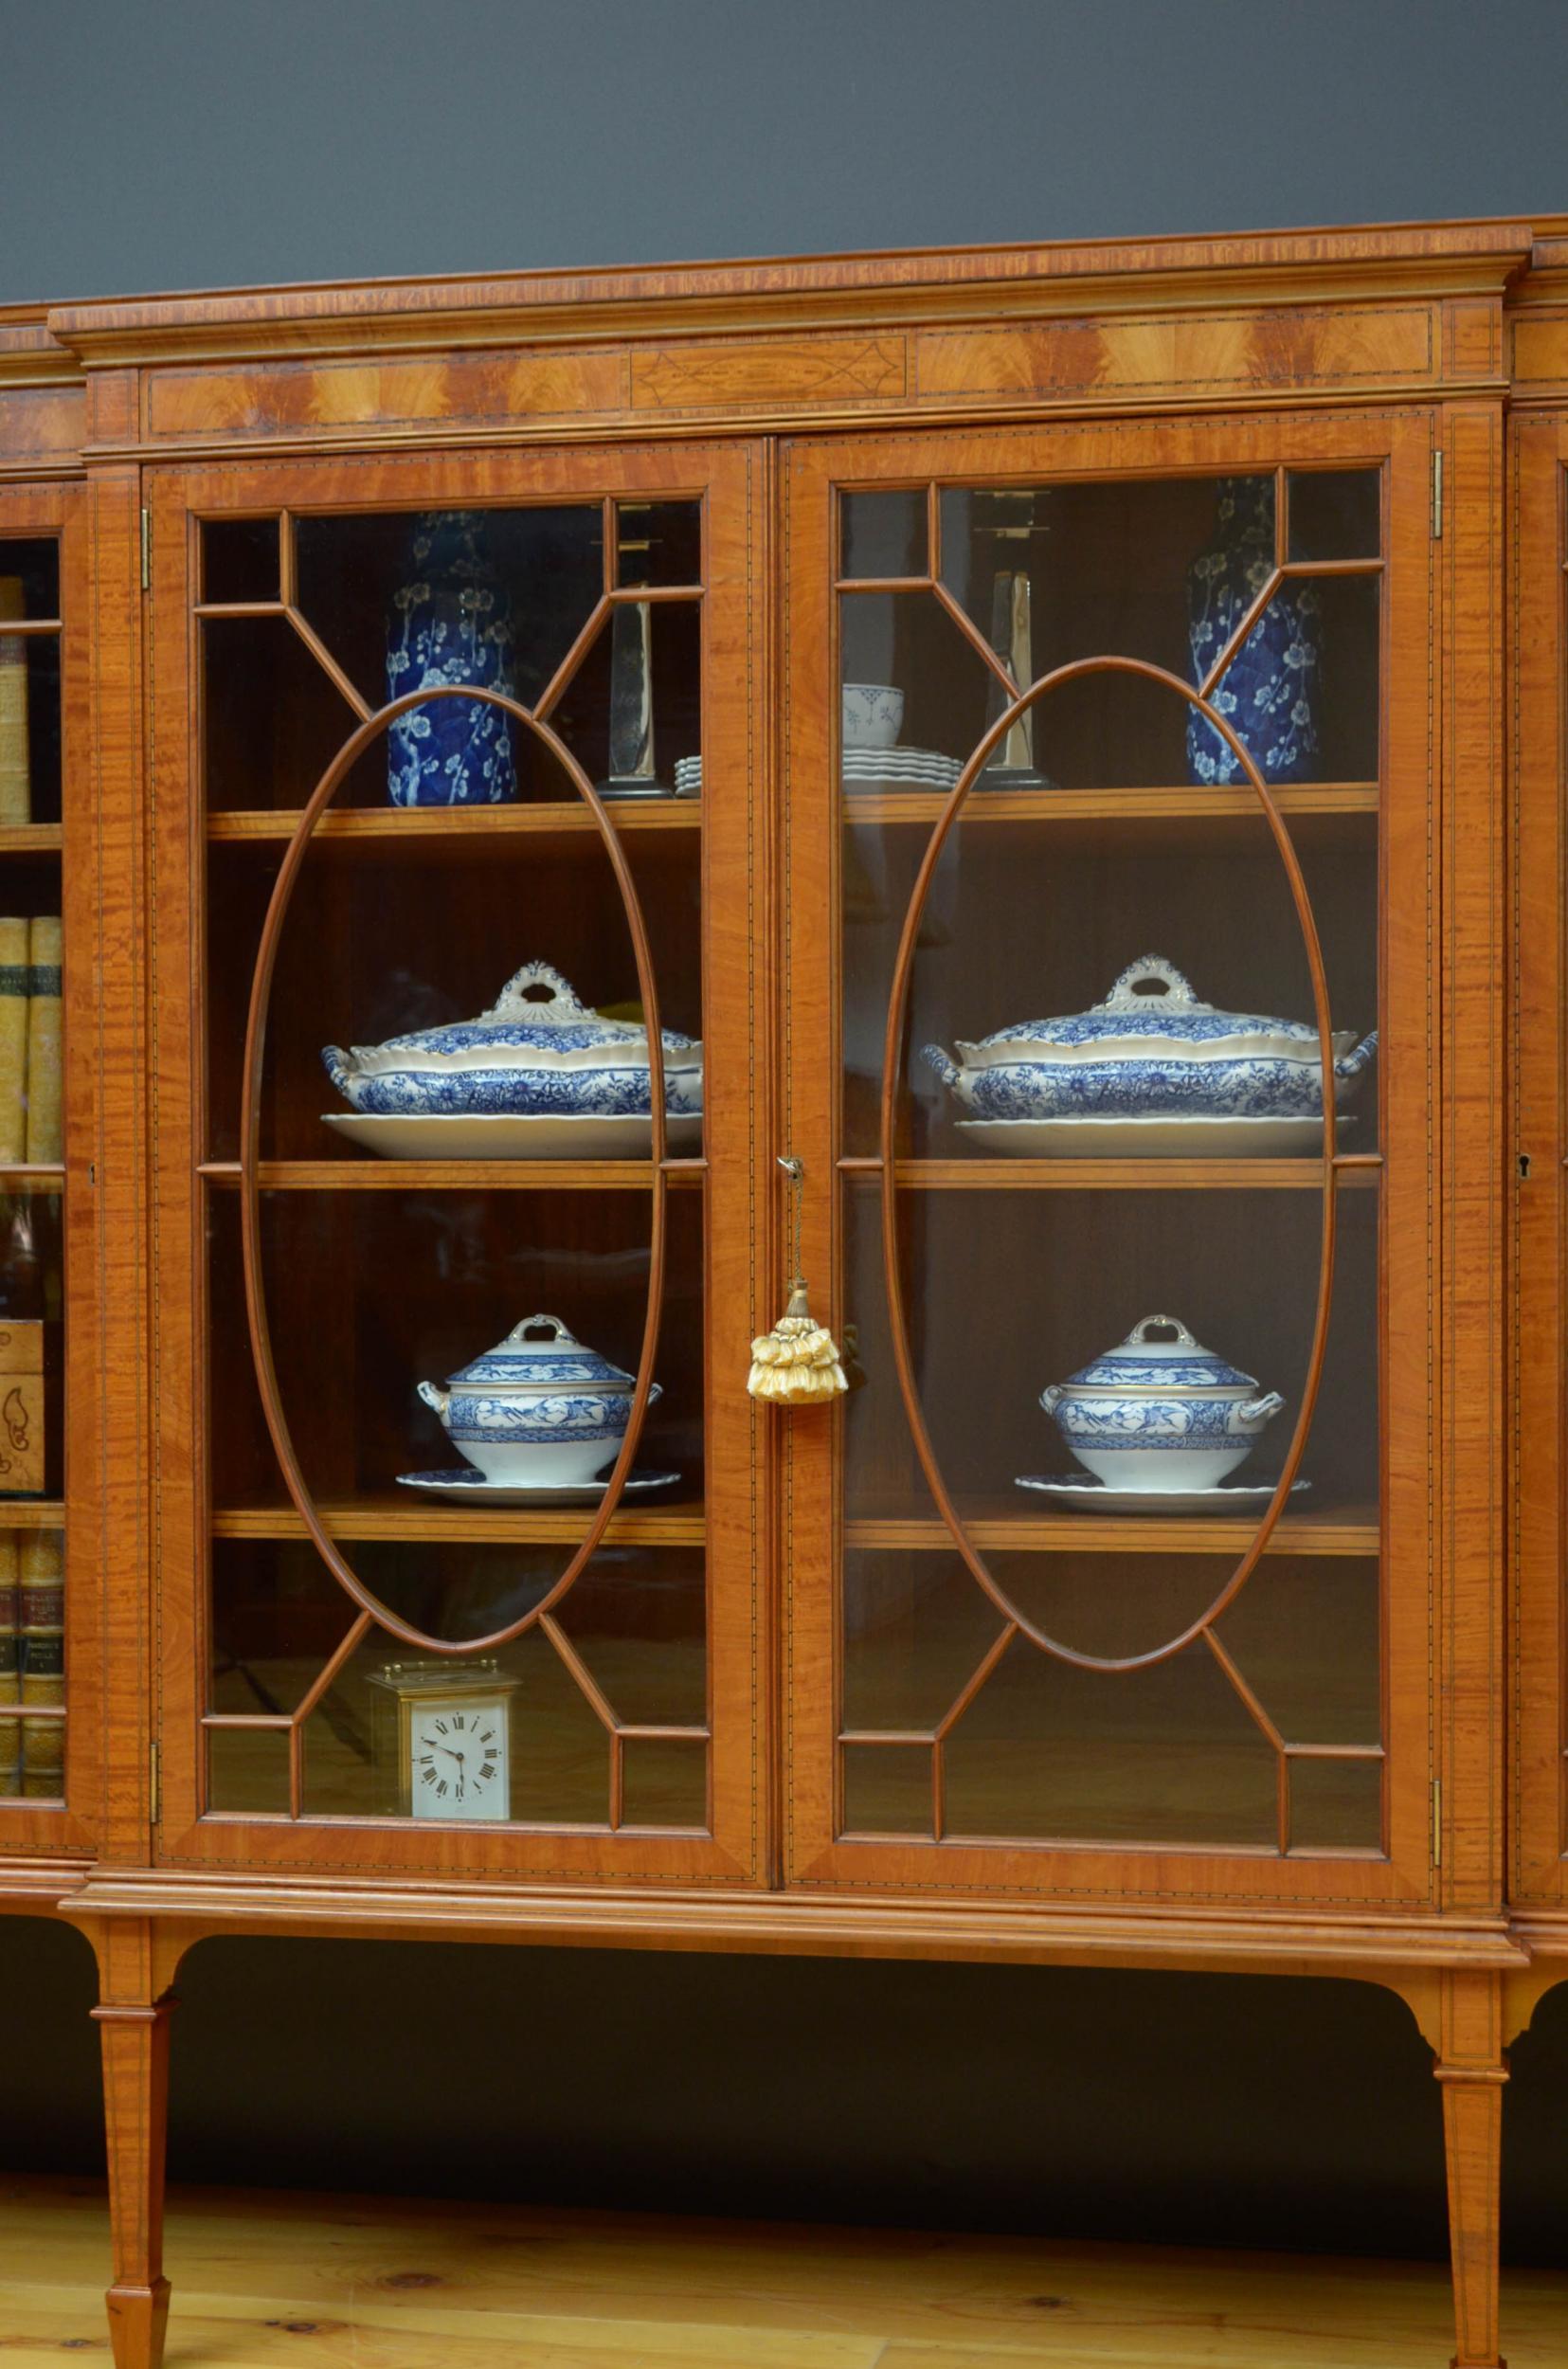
(1337, 1530)
(32, 838)
(401, 1517)
(419, 826)
(32, 1513)
(408, 1176)
(1018, 1176)
(1178, 802)
(32, 1176)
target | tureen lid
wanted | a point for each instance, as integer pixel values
(1150, 999)
(1139, 1363)
(536, 1007)
(541, 1355)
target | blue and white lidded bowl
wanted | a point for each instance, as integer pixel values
(538, 1408)
(1166, 1413)
(1152, 1049)
(539, 1052)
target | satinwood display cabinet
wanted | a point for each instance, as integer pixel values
(778, 690)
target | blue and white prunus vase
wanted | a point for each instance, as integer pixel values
(450, 622)
(537, 1408)
(1160, 1414)
(1267, 694)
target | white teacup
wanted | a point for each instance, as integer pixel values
(872, 713)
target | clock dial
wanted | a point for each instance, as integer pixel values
(458, 1758)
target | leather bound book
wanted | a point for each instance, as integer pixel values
(15, 772)
(45, 1140)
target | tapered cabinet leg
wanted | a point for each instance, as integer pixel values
(135, 2036)
(1472, 2067)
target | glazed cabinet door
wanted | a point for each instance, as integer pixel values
(454, 1150)
(49, 1497)
(1110, 958)
(1538, 1761)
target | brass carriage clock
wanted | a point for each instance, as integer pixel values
(442, 1738)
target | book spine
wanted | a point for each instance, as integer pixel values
(46, 1138)
(15, 771)
(11, 1665)
(42, 1632)
(15, 977)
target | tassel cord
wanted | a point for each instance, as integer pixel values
(799, 1360)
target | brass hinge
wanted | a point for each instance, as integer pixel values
(1436, 494)
(145, 548)
(152, 1784)
(1437, 1821)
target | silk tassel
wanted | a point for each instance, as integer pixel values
(798, 1362)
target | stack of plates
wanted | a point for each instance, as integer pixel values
(918, 769)
(924, 768)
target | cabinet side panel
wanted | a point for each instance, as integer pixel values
(1472, 1150)
(1536, 1147)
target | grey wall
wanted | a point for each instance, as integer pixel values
(180, 145)
(199, 143)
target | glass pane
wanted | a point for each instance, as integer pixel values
(1108, 1108)
(887, 1789)
(32, 1663)
(1304, 1633)
(632, 715)
(1336, 1805)
(32, 1347)
(32, 1152)
(915, 697)
(394, 934)
(1301, 693)
(884, 534)
(468, 1265)
(438, 979)
(29, 686)
(1163, 1754)
(240, 559)
(1163, 571)
(273, 719)
(1335, 513)
(659, 543)
(1028, 919)
(247, 1771)
(29, 576)
(405, 597)
(664, 1783)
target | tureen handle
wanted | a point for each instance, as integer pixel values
(1124, 996)
(521, 998)
(519, 1332)
(1172, 1324)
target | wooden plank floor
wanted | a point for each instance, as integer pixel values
(264, 2279)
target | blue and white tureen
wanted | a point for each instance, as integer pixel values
(1151, 1050)
(1163, 1415)
(539, 1052)
(539, 1407)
